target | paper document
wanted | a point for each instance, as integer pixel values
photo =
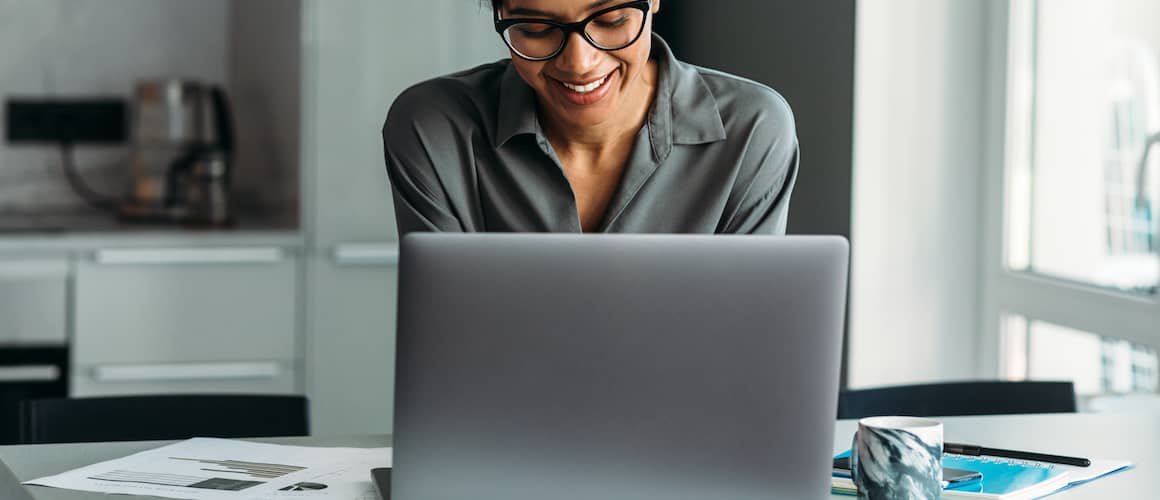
(210, 469)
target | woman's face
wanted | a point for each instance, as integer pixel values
(617, 74)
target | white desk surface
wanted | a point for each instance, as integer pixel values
(1130, 437)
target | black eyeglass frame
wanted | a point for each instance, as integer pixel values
(580, 27)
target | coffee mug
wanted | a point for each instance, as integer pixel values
(897, 458)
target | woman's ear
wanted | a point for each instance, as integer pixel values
(656, 6)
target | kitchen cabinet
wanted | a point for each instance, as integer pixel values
(361, 54)
(33, 301)
(183, 320)
(351, 368)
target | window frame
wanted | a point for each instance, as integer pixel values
(1109, 313)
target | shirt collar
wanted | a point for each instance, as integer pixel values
(684, 110)
(517, 107)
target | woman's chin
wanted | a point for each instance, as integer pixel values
(586, 116)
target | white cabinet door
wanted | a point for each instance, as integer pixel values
(186, 320)
(360, 55)
(34, 301)
(351, 353)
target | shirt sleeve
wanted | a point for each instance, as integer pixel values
(772, 157)
(411, 138)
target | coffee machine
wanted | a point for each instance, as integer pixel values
(183, 143)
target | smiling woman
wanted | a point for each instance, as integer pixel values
(592, 126)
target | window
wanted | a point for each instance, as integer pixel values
(1096, 364)
(1086, 183)
(1074, 245)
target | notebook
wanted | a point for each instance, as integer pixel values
(1007, 479)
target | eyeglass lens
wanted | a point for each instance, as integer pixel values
(612, 30)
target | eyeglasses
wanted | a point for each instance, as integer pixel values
(610, 29)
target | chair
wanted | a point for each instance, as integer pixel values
(140, 418)
(959, 398)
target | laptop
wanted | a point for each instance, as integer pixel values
(10, 487)
(534, 366)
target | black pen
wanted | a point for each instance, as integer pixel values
(975, 450)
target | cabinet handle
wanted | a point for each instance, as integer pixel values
(30, 373)
(354, 254)
(185, 371)
(163, 256)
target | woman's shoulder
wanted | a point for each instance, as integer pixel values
(743, 101)
(467, 94)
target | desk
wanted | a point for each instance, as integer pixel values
(1129, 437)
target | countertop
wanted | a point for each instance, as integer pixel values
(70, 232)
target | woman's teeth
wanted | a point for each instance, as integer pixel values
(584, 89)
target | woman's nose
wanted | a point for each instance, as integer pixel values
(578, 57)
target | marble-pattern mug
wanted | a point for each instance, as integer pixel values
(897, 458)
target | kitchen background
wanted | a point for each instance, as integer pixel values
(901, 118)
(296, 293)
(71, 48)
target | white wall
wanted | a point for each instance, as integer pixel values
(71, 47)
(918, 121)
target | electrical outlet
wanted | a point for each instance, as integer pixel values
(82, 120)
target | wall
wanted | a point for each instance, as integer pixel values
(805, 51)
(917, 201)
(66, 47)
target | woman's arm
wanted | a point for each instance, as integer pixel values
(772, 160)
(765, 208)
(411, 144)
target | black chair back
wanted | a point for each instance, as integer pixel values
(959, 398)
(140, 418)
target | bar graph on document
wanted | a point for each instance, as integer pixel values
(257, 471)
(159, 479)
(254, 469)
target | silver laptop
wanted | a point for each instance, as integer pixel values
(538, 366)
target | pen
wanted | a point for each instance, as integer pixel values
(976, 450)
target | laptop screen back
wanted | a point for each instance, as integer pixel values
(630, 367)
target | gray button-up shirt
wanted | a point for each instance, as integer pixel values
(717, 154)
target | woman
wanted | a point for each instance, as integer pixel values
(591, 126)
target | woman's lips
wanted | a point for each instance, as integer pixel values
(585, 98)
